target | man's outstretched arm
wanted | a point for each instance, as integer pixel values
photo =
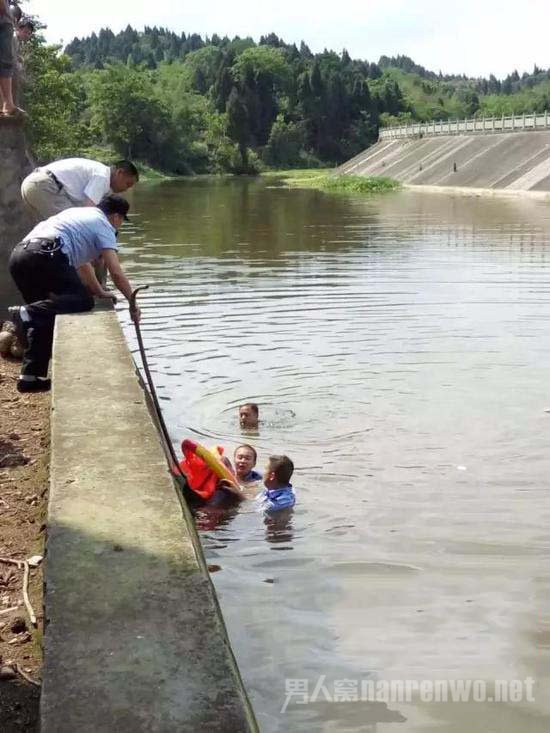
(120, 281)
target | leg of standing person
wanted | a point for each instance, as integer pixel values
(7, 65)
(43, 197)
(50, 286)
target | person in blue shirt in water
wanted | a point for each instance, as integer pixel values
(245, 458)
(278, 492)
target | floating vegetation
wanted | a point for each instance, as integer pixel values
(359, 184)
(328, 181)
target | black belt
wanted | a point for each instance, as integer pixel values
(42, 245)
(54, 178)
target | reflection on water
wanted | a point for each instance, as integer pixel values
(398, 348)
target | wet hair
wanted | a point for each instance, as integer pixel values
(128, 167)
(26, 23)
(282, 467)
(245, 445)
(253, 406)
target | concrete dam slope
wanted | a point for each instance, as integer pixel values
(134, 638)
(514, 161)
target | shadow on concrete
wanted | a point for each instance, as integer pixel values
(114, 664)
(19, 707)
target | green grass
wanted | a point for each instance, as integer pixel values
(359, 184)
(325, 180)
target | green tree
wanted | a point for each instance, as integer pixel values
(469, 101)
(54, 100)
(238, 125)
(285, 145)
(261, 75)
(204, 65)
(223, 153)
(130, 116)
(223, 84)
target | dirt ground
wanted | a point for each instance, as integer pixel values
(24, 478)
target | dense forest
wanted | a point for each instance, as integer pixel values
(185, 104)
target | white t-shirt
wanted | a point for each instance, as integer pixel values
(82, 178)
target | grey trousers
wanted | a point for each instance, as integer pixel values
(42, 197)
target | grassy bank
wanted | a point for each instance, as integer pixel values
(325, 180)
(146, 173)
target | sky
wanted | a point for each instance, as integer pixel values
(475, 37)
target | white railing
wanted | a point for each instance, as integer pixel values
(467, 127)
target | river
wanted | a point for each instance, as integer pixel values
(398, 347)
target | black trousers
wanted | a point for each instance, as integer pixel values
(49, 285)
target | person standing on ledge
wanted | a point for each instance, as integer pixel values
(74, 182)
(7, 62)
(52, 270)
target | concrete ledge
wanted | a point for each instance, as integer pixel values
(134, 639)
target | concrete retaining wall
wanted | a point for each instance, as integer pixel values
(134, 638)
(517, 161)
(15, 164)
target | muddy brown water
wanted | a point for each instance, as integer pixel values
(399, 348)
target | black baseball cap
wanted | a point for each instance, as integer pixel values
(112, 203)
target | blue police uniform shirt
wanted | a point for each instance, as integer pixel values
(271, 500)
(84, 232)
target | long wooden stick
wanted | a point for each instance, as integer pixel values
(26, 599)
(25, 676)
(9, 561)
(23, 564)
(8, 610)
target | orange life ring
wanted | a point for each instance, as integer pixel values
(204, 468)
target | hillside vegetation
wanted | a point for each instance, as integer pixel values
(184, 104)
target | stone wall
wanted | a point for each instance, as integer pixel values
(14, 222)
(507, 162)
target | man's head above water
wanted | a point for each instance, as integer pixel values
(245, 458)
(248, 415)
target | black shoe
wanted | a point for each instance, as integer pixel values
(20, 325)
(34, 385)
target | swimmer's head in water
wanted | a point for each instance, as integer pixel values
(278, 472)
(248, 415)
(245, 459)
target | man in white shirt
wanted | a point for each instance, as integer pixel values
(52, 270)
(74, 182)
